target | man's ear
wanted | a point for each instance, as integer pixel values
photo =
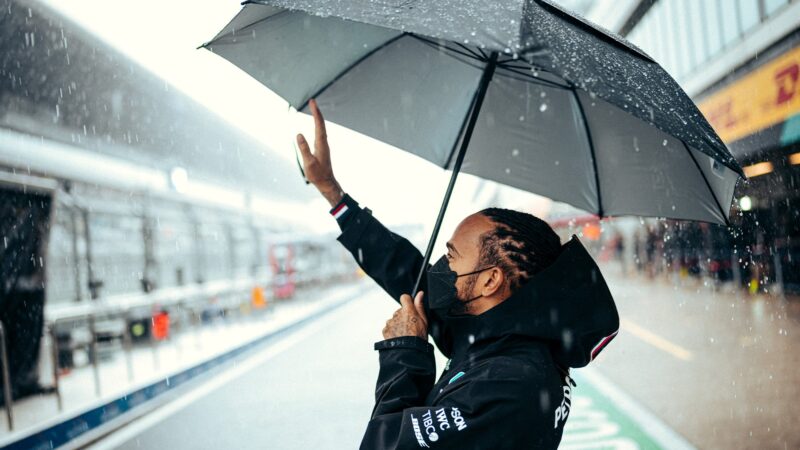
(494, 283)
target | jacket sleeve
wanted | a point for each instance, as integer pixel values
(388, 258)
(407, 373)
(479, 414)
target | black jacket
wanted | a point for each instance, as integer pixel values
(506, 385)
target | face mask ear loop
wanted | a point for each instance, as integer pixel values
(470, 273)
(466, 302)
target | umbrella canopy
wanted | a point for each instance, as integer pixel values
(544, 100)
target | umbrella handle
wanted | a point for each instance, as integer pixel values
(480, 94)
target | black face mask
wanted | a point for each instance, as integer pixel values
(442, 292)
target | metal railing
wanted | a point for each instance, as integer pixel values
(234, 293)
(188, 301)
(119, 307)
(7, 394)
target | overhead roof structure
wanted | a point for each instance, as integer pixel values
(62, 83)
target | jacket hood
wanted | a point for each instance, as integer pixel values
(568, 305)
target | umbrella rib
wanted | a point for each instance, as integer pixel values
(537, 68)
(350, 67)
(535, 80)
(525, 65)
(264, 19)
(708, 185)
(524, 71)
(482, 57)
(437, 46)
(592, 151)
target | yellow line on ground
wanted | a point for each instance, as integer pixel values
(656, 341)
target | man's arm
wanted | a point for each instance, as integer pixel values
(407, 374)
(486, 406)
(392, 261)
(388, 258)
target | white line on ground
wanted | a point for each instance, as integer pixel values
(141, 425)
(654, 427)
(656, 340)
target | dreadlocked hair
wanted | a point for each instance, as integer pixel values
(521, 244)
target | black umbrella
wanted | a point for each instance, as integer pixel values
(545, 100)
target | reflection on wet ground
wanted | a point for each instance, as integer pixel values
(720, 367)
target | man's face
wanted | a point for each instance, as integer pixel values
(463, 252)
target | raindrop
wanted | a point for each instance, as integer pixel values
(471, 338)
(543, 94)
(508, 170)
(558, 162)
(521, 118)
(543, 107)
(515, 152)
(664, 143)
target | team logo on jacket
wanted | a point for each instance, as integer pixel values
(435, 422)
(418, 432)
(430, 430)
(562, 410)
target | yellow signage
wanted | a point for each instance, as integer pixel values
(767, 96)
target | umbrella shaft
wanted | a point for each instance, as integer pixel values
(480, 94)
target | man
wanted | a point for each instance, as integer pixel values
(510, 306)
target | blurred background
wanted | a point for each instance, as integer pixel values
(154, 220)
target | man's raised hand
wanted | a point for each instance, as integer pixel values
(317, 166)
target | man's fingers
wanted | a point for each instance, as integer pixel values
(319, 121)
(405, 301)
(323, 152)
(419, 306)
(305, 150)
